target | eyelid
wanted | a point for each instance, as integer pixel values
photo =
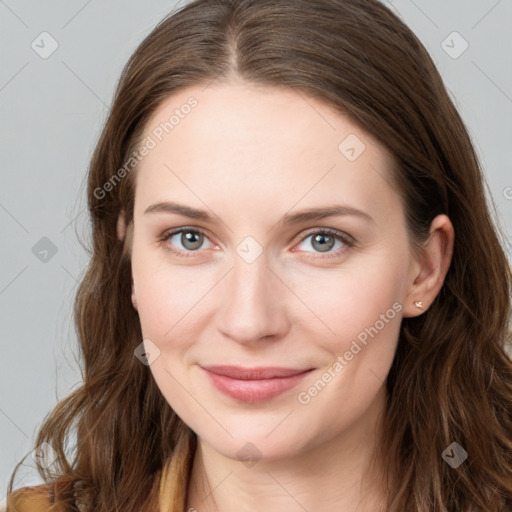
(345, 237)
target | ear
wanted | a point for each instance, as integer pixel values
(430, 267)
(121, 233)
(134, 297)
(121, 225)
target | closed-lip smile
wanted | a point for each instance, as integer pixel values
(254, 384)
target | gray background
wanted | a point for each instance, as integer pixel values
(51, 112)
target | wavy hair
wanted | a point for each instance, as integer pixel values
(451, 379)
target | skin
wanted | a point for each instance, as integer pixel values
(248, 155)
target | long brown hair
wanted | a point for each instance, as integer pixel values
(451, 380)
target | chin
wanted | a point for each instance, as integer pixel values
(258, 439)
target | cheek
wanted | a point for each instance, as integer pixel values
(169, 297)
(347, 300)
(355, 370)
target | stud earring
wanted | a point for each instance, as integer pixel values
(419, 304)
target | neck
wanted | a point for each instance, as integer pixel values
(342, 473)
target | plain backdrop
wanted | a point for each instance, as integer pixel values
(60, 62)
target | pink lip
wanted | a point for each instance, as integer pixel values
(254, 384)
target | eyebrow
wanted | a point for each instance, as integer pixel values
(289, 219)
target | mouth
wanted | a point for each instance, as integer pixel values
(252, 385)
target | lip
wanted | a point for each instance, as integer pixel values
(254, 384)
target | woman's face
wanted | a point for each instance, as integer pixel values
(259, 275)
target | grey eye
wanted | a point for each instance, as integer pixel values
(322, 242)
(190, 240)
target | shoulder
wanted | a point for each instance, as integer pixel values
(29, 499)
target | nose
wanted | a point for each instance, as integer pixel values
(254, 303)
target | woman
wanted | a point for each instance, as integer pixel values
(296, 299)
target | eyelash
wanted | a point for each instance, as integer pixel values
(337, 235)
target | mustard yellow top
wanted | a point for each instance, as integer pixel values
(29, 499)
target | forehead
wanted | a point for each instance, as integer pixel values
(239, 139)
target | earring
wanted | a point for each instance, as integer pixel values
(419, 304)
